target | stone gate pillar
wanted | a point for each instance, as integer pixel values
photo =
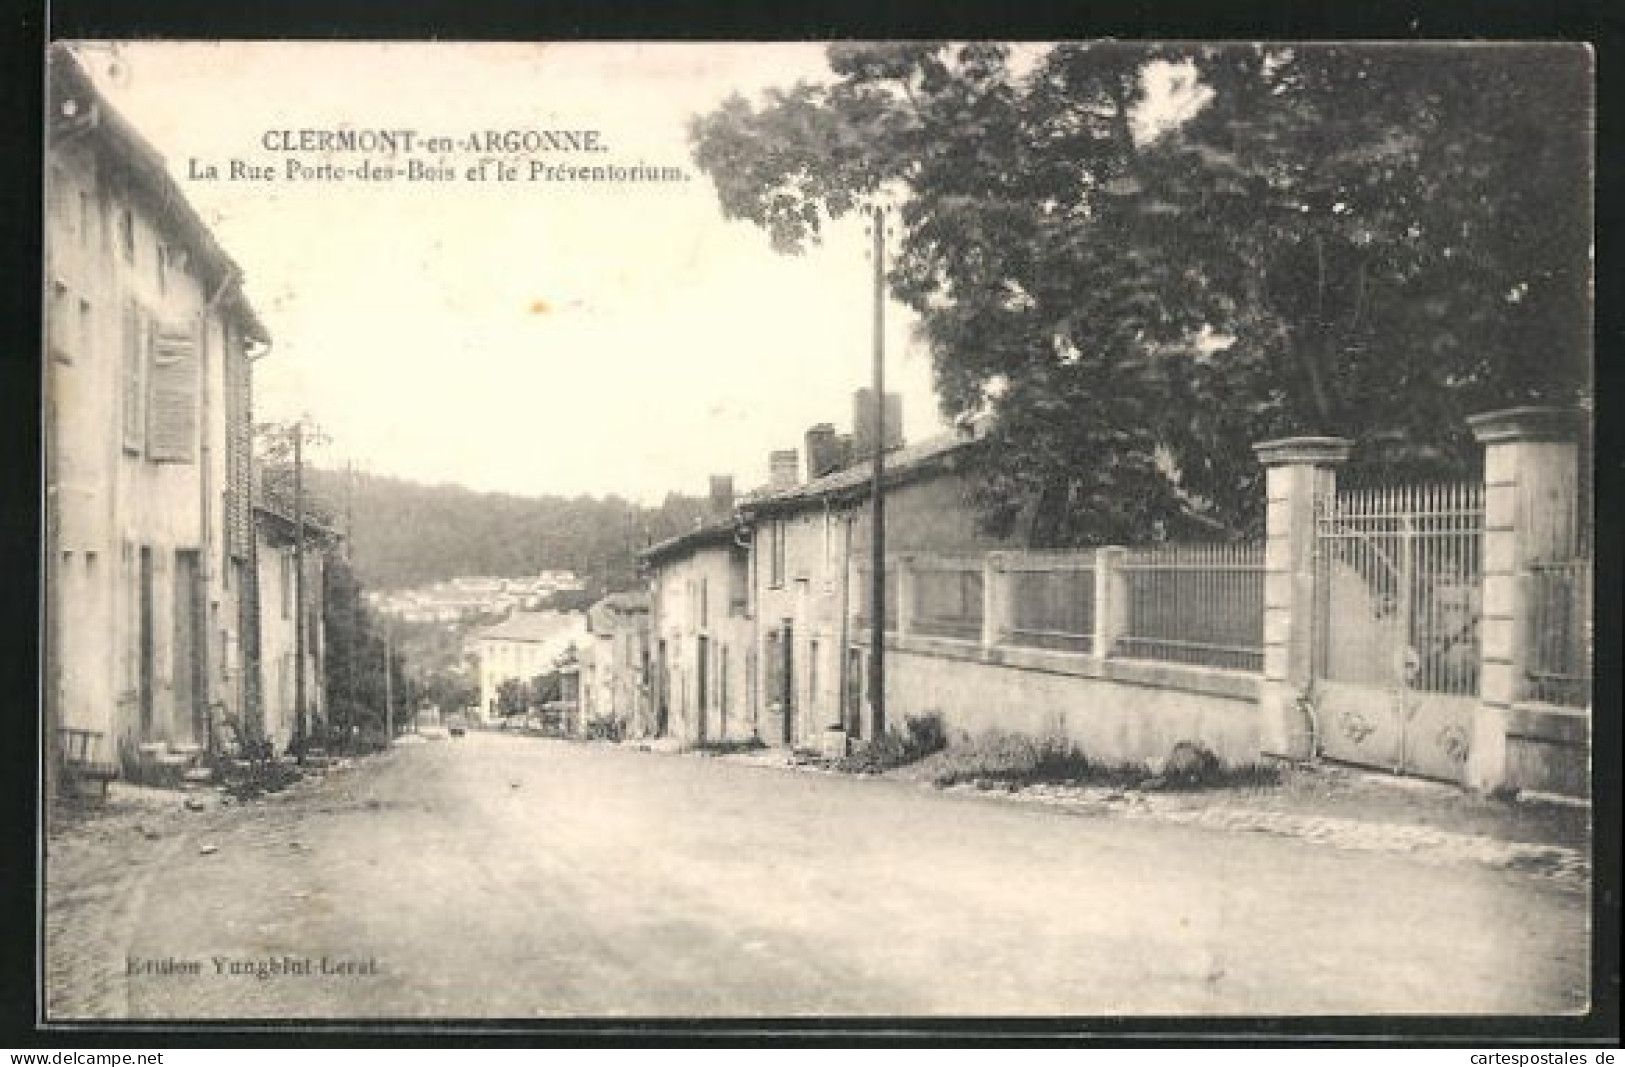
(1530, 513)
(1296, 471)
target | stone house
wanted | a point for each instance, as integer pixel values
(276, 555)
(149, 347)
(702, 672)
(522, 646)
(810, 551)
(616, 663)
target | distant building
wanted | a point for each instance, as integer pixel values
(703, 660)
(276, 555)
(523, 646)
(616, 663)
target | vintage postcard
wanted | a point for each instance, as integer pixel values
(792, 531)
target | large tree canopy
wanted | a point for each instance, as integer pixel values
(1143, 260)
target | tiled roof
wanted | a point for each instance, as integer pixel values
(716, 532)
(146, 165)
(900, 464)
(535, 626)
(602, 617)
(627, 601)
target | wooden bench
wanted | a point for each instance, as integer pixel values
(77, 751)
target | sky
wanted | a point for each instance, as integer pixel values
(520, 337)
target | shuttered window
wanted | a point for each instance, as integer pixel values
(172, 406)
(130, 377)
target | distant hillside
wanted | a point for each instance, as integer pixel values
(407, 534)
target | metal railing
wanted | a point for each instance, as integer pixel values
(947, 598)
(1052, 600)
(1559, 636)
(1195, 604)
(1399, 574)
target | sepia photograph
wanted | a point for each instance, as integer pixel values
(794, 531)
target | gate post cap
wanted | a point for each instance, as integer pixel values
(1529, 423)
(1315, 451)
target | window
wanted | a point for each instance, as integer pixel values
(57, 327)
(133, 361)
(126, 234)
(57, 191)
(82, 334)
(287, 584)
(87, 216)
(705, 602)
(738, 585)
(172, 400)
(776, 554)
(160, 261)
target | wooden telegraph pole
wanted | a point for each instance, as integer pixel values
(877, 596)
(389, 684)
(300, 726)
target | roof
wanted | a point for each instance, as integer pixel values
(538, 627)
(901, 465)
(145, 165)
(626, 602)
(277, 519)
(717, 532)
(601, 616)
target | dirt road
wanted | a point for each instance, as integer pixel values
(498, 877)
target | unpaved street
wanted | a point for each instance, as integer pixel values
(508, 877)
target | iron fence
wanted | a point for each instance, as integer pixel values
(1559, 641)
(1399, 579)
(947, 600)
(1052, 600)
(1196, 604)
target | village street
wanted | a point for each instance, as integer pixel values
(511, 877)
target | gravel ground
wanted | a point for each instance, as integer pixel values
(517, 878)
(1341, 807)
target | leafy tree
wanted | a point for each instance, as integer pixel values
(354, 657)
(1372, 242)
(407, 534)
(546, 688)
(512, 697)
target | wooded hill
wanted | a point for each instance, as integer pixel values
(406, 534)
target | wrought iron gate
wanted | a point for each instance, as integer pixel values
(1398, 599)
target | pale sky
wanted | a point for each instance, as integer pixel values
(405, 317)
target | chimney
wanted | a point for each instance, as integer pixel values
(823, 451)
(784, 468)
(863, 423)
(722, 494)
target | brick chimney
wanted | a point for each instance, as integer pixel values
(784, 468)
(722, 494)
(823, 451)
(863, 423)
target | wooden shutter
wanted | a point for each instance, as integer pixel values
(134, 334)
(172, 404)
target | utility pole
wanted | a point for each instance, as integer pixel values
(352, 638)
(389, 684)
(877, 600)
(300, 726)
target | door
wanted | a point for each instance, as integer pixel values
(702, 685)
(186, 716)
(787, 682)
(662, 691)
(1397, 581)
(144, 642)
(854, 692)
